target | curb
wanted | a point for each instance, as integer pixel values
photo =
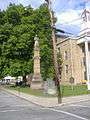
(21, 95)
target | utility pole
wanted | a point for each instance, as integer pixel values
(57, 74)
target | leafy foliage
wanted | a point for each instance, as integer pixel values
(18, 27)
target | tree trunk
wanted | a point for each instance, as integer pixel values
(24, 79)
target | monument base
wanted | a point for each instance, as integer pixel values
(36, 85)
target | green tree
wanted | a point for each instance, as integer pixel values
(17, 33)
(12, 15)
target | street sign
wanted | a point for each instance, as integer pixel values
(49, 87)
(45, 87)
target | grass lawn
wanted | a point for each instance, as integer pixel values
(26, 90)
(65, 90)
(74, 90)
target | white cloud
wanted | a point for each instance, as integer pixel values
(34, 3)
(70, 17)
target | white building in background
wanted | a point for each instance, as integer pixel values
(10, 79)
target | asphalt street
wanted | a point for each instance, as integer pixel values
(15, 108)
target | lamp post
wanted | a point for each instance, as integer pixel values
(57, 75)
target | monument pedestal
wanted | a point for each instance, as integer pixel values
(36, 85)
(36, 82)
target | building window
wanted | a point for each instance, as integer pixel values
(58, 50)
(84, 61)
(66, 69)
(85, 75)
(65, 55)
(83, 49)
(89, 48)
(89, 17)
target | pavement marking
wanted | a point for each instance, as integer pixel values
(79, 106)
(21, 106)
(4, 111)
(64, 112)
(4, 106)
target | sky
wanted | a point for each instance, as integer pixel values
(68, 12)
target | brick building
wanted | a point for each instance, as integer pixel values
(75, 53)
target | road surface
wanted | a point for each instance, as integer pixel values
(15, 108)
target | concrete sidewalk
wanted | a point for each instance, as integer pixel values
(48, 102)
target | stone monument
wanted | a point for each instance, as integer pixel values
(36, 80)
